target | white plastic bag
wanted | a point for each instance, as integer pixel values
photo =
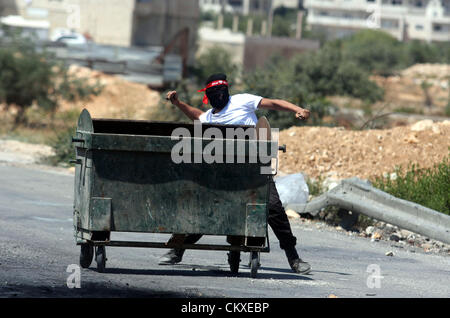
(292, 189)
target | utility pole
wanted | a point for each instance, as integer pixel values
(298, 34)
(249, 27)
(270, 19)
(264, 28)
(221, 14)
(235, 23)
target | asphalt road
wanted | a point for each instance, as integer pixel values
(37, 246)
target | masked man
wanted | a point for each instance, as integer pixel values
(240, 109)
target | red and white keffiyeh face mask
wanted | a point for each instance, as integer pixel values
(211, 84)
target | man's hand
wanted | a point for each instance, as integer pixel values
(280, 104)
(192, 112)
(173, 97)
(303, 114)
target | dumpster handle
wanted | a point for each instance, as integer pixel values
(282, 148)
(77, 140)
(76, 161)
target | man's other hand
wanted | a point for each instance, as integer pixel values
(302, 114)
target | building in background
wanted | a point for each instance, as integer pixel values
(251, 52)
(292, 4)
(30, 28)
(115, 22)
(246, 7)
(427, 20)
(8, 7)
(258, 50)
(246, 50)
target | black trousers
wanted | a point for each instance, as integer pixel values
(277, 220)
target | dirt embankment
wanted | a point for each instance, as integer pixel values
(338, 153)
(118, 99)
(421, 88)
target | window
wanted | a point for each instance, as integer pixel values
(389, 24)
(419, 27)
(437, 27)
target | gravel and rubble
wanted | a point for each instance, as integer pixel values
(336, 153)
(379, 231)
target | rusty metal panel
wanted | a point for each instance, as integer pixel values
(256, 220)
(100, 214)
(246, 148)
(153, 194)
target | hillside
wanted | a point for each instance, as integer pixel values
(338, 153)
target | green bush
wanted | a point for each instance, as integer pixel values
(421, 52)
(428, 187)
(373, 51)
(62, 145)
(29, 76)
(215, 60)
(306, 80)
(25, 77)
(73, 88)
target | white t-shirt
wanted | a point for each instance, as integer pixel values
(240, 110)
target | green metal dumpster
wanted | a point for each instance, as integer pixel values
(126, 180)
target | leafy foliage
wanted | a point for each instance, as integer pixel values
(28, 76)
(307, 79)
(421, 52)
(428, 187)
(373, 51)
(215, 60)
(62, 146)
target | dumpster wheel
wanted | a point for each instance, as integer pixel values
(254, 264)
(100, 258)
(234, 258)
(86, 255)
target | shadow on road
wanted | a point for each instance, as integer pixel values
(283, 270)
(337, 273)
(203, 271)
(87, 290)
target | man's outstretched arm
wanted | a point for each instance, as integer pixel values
(280, 104)
(192, 112)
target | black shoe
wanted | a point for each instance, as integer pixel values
(172, 257)
(299, 266)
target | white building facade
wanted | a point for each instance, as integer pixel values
(246, 7)
(427, 20)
